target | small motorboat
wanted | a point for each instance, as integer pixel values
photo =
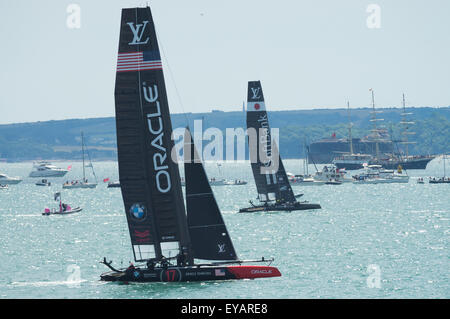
(43, 182)
(442, 180)
(236, 182)
(69, 210)
(420, 181)
(113, 184)
(217, 182)
(3, 186)
(333, 182)
(64, 209)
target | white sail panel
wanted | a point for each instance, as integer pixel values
(170, 248)
(143, 252)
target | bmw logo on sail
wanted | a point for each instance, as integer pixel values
(137, 211)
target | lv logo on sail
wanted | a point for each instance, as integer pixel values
(137, 37)
(221, 248)
(255, 92)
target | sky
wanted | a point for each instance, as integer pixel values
(307, 54)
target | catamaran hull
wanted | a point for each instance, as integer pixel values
(73, 186)
(277, 208)
(67, 212)
(183, 274)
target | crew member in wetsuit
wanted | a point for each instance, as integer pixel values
(164, 262)
(150, 265)
(182, 257)
(129, 271)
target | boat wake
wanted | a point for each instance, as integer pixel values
(70, 283)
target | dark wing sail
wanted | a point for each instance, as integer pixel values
(270, 183)
(207, 230)
(149, 179)
(285, 192)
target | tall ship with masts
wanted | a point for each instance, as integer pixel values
(171, 241)
(405, 160)
(387, 158)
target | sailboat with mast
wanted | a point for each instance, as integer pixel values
(272, 183)
(442, 180)
(84, 183)
(167, 238)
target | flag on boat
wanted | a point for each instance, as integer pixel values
(57, 196)
(69, 167)
(105, 180)
(135, 61)
(219, 272)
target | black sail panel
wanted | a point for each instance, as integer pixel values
(209, 236)
(285, 192)
(149, 179)
(270, 183)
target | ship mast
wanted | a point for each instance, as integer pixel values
(375, 130)
(444, 165)
(82, 150)
(405, 125)
(350, 140)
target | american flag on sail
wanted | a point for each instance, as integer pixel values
(136, 61)
(219, 272)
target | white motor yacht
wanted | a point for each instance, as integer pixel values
(375, 174)
(332, 173)
(46, 169)
(5, 179)
(304, 180)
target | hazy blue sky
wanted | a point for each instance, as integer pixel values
(308, 54)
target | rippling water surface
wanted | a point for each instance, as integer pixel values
(398, 233)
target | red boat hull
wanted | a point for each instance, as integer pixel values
(191, 273)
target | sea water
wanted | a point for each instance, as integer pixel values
(367, 241)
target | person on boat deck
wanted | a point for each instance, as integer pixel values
(150, 264)
(164, 262)
(129, 271)
(182, 258)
